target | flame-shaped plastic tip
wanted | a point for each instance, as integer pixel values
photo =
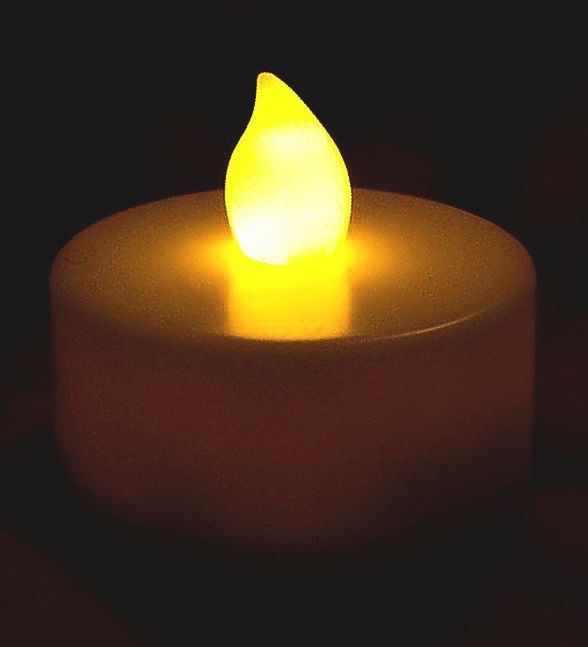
(287, 191)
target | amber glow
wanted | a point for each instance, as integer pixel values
(287, 191)
(307, 300)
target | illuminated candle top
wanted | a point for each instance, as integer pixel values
(287, 190)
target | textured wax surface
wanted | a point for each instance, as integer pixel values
(170, 270)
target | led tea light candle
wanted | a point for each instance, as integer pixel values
(293, 389)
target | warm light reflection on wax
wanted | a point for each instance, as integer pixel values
(288, 302)
(287, 191)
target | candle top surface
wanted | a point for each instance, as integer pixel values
(411, 268)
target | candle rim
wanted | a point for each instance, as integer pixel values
(499, 311)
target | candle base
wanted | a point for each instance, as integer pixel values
(452, 538)
(292, 451)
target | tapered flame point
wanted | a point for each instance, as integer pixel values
(287, 190)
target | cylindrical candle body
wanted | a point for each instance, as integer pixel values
(416, 408)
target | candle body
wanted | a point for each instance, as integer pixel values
(178, 416)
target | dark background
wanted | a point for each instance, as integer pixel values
(479, 105)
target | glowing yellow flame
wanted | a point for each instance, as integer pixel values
(287, 191)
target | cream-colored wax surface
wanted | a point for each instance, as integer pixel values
(206, 398)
